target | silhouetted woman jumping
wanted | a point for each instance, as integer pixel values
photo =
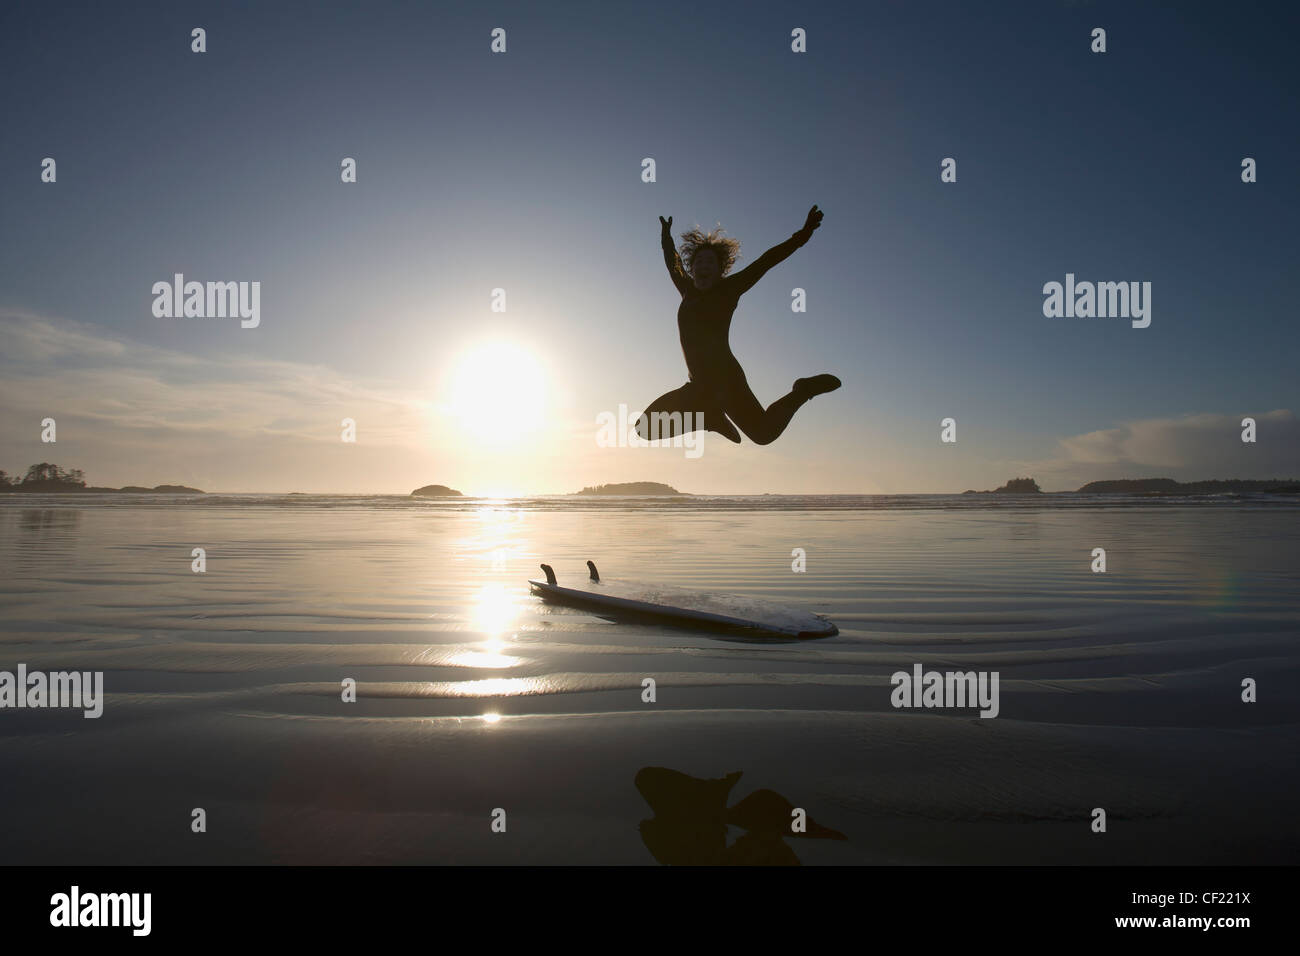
(717, 394)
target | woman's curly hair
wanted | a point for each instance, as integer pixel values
(724, 247)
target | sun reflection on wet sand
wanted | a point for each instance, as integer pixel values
(496, 536)
(493, 687)
(494, 610)
(489, 656)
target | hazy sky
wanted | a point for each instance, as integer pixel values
(522, 171)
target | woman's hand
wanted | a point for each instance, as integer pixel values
(813, 221)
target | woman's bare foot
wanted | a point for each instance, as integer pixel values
(806, 388)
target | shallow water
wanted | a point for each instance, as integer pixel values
(1118, 690)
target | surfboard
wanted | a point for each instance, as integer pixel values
(680, 605)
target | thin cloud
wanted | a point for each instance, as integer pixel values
(1189, 448)
(129, 412)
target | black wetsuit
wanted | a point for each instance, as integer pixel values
(717, 389)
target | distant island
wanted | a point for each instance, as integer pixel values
(1156, 487)
(46, 478)
(436, 491)
(1016, 486)
(632, 488)
(1167, 486)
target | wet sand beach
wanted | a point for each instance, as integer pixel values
(1119, 690)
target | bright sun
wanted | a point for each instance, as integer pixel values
(497, 393)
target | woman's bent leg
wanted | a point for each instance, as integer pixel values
(686, 409)
(764, 425)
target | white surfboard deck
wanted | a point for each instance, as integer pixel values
(687, 606)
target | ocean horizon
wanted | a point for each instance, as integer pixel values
(684, 501)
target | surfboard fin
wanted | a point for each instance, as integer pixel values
(550, 573)
(591, 566)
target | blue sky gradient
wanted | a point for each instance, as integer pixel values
(522, 171)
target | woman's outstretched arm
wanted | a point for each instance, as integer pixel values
(671, 259)
(744, 280)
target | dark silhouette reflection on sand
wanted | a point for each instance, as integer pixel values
(691, 816)
(52, 521)
(44, 535)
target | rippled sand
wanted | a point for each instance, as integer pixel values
(1118, 690)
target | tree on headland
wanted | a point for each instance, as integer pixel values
(1020, 486)
(1016, 486)
(46, 473)
(632, 488)
(47, 477)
